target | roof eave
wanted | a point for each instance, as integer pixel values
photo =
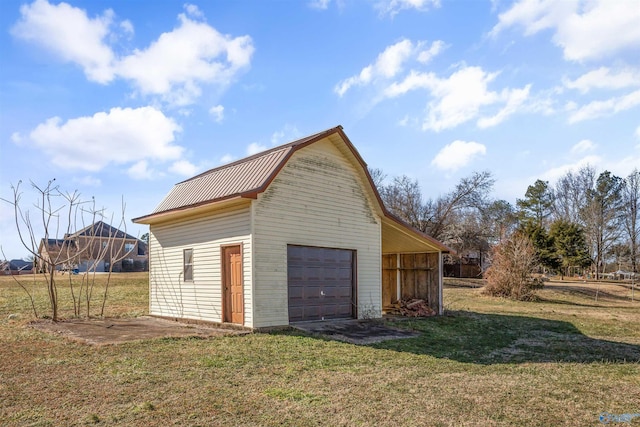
(434, 242)
(195, 208)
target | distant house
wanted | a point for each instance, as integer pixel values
(295, 233)
(623, 275)
(467, 264)
(18, 266)
(95, 248)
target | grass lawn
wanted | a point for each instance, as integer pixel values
(562, 360)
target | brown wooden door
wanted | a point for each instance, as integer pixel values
(232, 285)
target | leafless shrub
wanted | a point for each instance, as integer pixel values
(510, 275)
(59, 218)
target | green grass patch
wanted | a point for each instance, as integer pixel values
(560, 361)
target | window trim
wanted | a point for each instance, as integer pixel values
(187, 267)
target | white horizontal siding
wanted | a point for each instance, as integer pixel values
(317, 199)
(201, 298)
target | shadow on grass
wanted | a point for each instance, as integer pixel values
(590, 293)
(565, 302)
(490, 338)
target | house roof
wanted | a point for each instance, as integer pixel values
(19, 264)
(56, 244)
(100, 229)
(247, 177)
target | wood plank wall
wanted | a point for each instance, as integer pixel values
(389, 280)
(419, 278)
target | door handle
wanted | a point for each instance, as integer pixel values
(322, 293)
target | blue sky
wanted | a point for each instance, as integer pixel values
(122, 99)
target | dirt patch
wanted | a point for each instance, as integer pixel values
(355, 331)
(117, 331)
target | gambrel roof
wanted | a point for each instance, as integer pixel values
(248, 177)
(243, 178)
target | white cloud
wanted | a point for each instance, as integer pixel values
(16, 138)
(552, 175)
(415, 80)
(287, 134)
(217, 112)
(183, 167)
(596, 109)
(127, 27)
(174, 67)
(193, 10)
(254, 148)
(392, 7)
(604, 78)
(460, 97)
(120, 136)
(583, 146)
(426, 55)
(140, 170)
(542, 103)
(70, 34)
(389, 63)
(514, 98)
(623, 167)
(620, 166)
(585, 30)
(319, 4)
(184, 59)
(458, 154)
(227, 158)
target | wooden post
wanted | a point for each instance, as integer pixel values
(398, 278)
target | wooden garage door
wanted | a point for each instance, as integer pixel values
(321, 283)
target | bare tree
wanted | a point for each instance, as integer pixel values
(377, 176)
(570, 194)
(403, 197)
(60, 250)
(602, 215)
(499, 220)
(631, 201)
(470, 193)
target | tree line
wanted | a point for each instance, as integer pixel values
(585, 223)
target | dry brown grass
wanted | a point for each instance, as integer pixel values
(491, 362)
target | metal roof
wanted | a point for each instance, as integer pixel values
(241, 178)
(220, 183)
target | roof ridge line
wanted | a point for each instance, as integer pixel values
(262, 153)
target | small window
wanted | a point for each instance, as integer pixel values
(188, 265)
(104, 245)
(128, 247)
